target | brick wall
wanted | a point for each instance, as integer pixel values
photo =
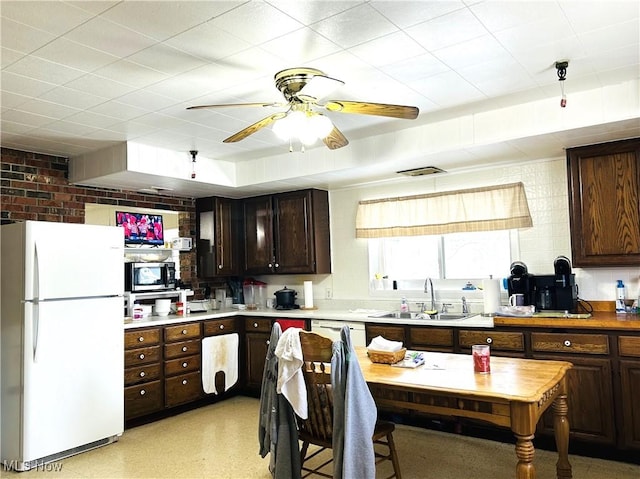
(36, 187)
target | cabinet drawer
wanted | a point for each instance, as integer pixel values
(182, 389)
(258, 324)
(570, 343)
(431, 337)
(141, 337)
(220, 326)
(136, 357)
(182, 332)
(629, 346)
(183, 348)
(181, 365)
(142, 399)
(392, 333)
(498, 340)
(141, 374)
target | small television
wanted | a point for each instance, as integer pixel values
(141, 228)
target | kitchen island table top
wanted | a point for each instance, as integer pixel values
(514, 394)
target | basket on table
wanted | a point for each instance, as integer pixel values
(386, 357)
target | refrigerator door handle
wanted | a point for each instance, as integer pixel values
(35, 331)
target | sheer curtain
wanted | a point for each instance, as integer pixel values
(476, 209)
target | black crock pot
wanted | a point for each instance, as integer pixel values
(285, 298)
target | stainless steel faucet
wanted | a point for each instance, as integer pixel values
(465, 306)
(428, 285)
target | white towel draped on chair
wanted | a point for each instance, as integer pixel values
(219, 353)
(290, 379)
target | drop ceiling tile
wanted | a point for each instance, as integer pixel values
(9, 56)
(92, 119)
(74, 55)
(312, 11)
(101, 86)
(55, 18)
(591, 16)
(355, 26)
(164, 19)
(25, 117)
(471, 52)
(539, 33)
(447, 89)
(12, 130)
(109, 37)
(131, 74)
(437, 33)
(266, 22)
(612, 37)
(501, 15)
(23, 85)
(496, 77)
(94, 7)
(166, 59)
(122, 110)
(389, 49)
(301, 46)
(37, 68)
(408, 13)
(415, 68)
(57, 127)
(47, 109)
(10, 100)
(23, 38)
(71, 97)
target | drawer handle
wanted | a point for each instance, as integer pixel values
(567, 343)
(222, 326)
(184, 331)
(142, 374)
(184, 381)
(184, 365)
(268, 342)
(142, 392)
(255, 325)
(141, 356)
(141, 338)
(184, 349)
(489, 340)
(219, 266)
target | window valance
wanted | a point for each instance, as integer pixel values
(476, 209)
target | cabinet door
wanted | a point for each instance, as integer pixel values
(392, 333)
(590, 399)
(301, 232)
(258, 235)
(630, 380)
(257, 345)
(604, 202)
(217, 233)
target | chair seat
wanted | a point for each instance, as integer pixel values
(383, 429)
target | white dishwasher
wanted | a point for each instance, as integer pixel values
(331, 329)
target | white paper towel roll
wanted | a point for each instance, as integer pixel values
(308, 294)
(491, 295)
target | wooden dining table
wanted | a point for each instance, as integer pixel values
(513, 394)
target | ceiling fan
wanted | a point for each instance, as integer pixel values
(302, 89)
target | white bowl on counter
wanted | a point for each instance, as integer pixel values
(162, 307)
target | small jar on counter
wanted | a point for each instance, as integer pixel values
(180, 308)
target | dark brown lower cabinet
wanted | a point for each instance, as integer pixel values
(630, 386)
(258, 333)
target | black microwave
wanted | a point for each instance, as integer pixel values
(141, 277)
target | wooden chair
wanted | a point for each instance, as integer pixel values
(318, 428)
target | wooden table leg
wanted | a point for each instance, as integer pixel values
(525, 452)
(561, 432)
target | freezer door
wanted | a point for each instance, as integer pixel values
(65, 260)
(73, 375)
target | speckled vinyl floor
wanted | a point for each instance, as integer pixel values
(221, 441)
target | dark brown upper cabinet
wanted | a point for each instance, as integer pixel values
(218, 230)
(287, 233)
(604, 203)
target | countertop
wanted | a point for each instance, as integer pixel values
(599, 319)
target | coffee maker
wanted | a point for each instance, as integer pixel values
(521, 282)
(557, 291)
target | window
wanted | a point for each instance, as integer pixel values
(408, 260)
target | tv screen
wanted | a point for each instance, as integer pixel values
(141, 228)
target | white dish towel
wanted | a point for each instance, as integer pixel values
(219, 353)
(290, 377)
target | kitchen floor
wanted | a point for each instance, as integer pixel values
(221, 441)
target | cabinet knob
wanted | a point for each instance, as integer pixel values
(142, 392)
(142, 374)
(184, 365)
(219, 266)
(141, 356)
(489, 340)
(184, 381)
(255, 325)
(141, 338)
(277, 265)
(567, 343)
(184, 331)
(268, 342)
(222, 326)
(184, 349)
(270, 265)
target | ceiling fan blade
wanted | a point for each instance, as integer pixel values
(380, 109)
(335, 139)
(242, 134)
(231, 105)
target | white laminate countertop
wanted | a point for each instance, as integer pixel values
(357, 315)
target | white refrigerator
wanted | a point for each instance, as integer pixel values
(62, 340)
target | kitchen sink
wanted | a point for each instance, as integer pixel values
(451, 316)
(415, 315)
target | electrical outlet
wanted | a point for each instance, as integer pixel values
(327, 293)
